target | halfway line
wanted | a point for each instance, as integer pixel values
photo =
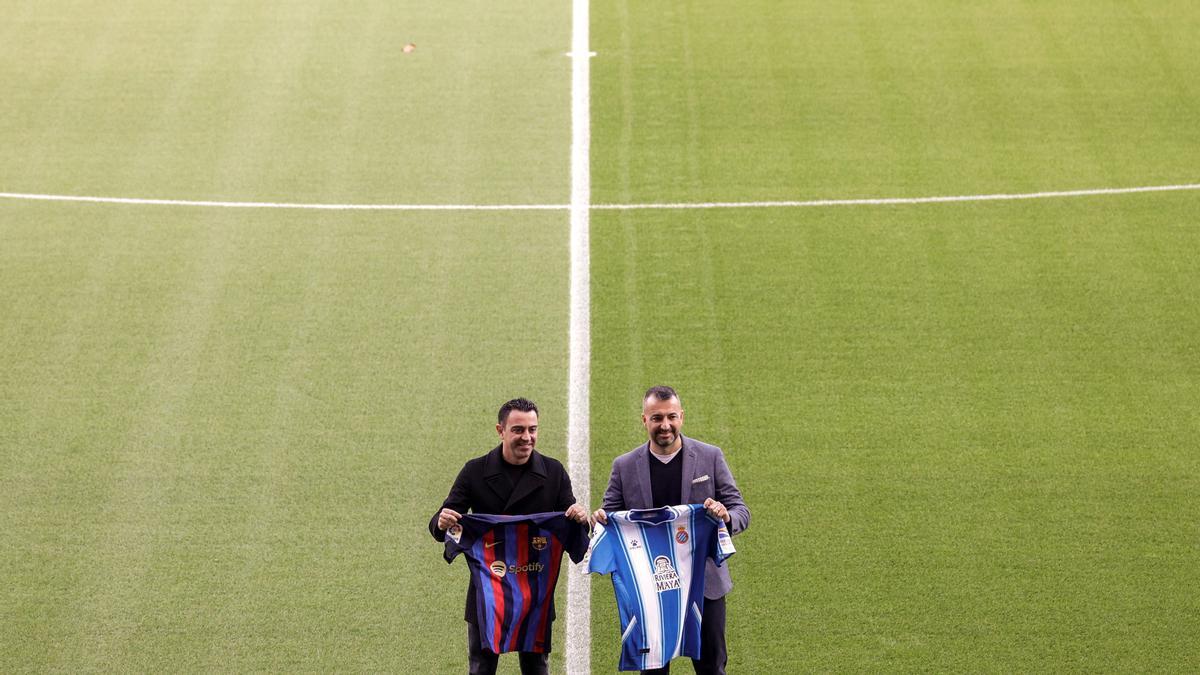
(883, 201)
(578, 188)
(285, 205)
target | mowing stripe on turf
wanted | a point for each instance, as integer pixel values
(871, 201)
(579, 596)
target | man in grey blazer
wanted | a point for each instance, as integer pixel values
(671, 469)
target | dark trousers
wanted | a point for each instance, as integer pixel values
(483, 661)
(712, 642)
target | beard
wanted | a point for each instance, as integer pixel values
(664, 439)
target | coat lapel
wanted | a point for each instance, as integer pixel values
(642, 476)
(689, 467)
(533, 478)
(493, 475)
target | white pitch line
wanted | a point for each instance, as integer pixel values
(284, 205)
(874, 201)
(884, 201)
(579, 589)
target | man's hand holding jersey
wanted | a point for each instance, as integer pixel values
(577, 513)
(446, 518)
(717, 510)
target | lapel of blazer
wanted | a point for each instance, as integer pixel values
(641, 473)
(533, 478)
(689, 468)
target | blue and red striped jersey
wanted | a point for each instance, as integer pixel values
(514, 562)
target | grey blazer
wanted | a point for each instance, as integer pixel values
(705, 474)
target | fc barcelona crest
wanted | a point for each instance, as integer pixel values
(538, 543)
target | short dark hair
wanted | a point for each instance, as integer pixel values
(662, 393)
(521, 404)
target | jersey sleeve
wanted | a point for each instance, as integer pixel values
(460, 537)
(600, 557)
(721, 545)
(576, 543)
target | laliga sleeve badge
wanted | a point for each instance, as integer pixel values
(455, 532)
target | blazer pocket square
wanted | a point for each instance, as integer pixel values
(701, 479)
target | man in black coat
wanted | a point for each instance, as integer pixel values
(511, 480)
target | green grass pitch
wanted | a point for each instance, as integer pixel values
(967, 432)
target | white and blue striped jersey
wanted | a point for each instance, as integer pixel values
(656, 558)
